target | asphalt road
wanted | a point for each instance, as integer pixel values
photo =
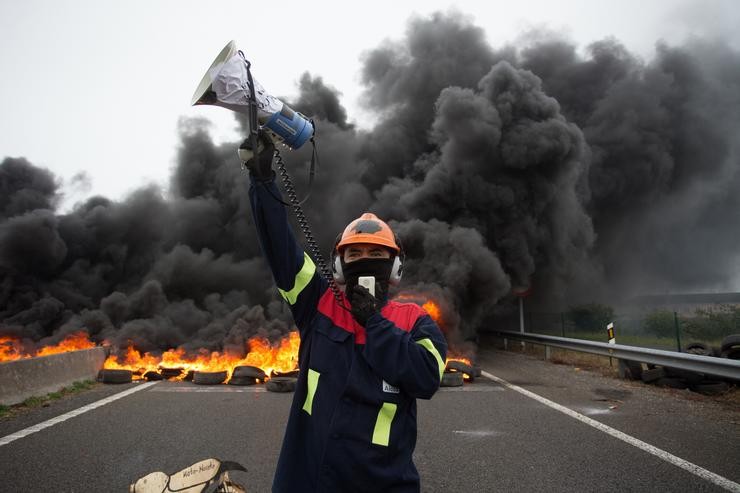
(485, 437)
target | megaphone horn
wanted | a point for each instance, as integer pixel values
(226, 84)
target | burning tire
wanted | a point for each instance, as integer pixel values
(209, 377)
(451, 379)
(114, 376)
(290, 374)
(461, 367)
(152, 376)
(281, 384)
(243, 381)
(248, 372)
(168, 373)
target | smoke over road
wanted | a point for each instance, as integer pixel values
(583, 175)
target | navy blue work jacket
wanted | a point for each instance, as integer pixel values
(352, 423)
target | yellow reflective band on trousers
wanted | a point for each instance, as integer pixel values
(429, 346)
(313, 383)
(301, 280)
(382, 431)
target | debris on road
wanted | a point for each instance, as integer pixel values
(209, 475)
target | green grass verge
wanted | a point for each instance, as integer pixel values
(38, 401)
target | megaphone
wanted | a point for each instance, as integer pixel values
(228, 83)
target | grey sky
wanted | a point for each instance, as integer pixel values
(98, 86)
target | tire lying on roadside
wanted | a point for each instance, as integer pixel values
(281, 384)
(731, 353)
(671, 382)
(209, 377)
(652, 374)
(630, 370)
(699, 348)
(710, 387)
(114, 376)
(691, 377)
(451, 379)
(730, 342)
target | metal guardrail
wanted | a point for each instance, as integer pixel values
(709, 365)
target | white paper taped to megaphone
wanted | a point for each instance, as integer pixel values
(226, 84)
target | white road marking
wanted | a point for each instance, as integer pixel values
(472, 387)
(591, 411)
(477, 433)
(64, 417)
(661, 454)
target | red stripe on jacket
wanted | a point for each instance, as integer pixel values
(404, 315)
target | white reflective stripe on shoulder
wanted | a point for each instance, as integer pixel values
(301, 280)
(429, 346)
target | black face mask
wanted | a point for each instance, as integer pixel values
(379, 268)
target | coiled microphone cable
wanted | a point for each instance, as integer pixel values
(313, 247)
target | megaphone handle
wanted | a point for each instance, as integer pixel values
(253, 122)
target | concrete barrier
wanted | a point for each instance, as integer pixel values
(25, 378)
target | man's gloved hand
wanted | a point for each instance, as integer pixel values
(260, 166)
(364, 305)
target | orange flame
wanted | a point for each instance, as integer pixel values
(12, 349)
(279, 357)
(433, 310)
(73, 342)
(460, 359)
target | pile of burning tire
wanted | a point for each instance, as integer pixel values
(456, 372)
(677, 378)
(241, 376)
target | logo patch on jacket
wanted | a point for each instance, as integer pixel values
(390, 388)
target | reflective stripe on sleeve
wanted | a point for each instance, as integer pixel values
(429, 346)
(382, 431)
(301, 280)
(313, 383)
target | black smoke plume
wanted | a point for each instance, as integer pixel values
(579, 175)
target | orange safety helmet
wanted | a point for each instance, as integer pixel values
(368, 229)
